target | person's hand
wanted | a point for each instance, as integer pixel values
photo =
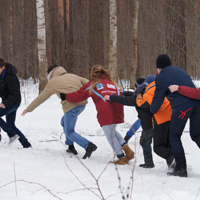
(2, 105)
(106, 97)
(63, 96)
(173, 88)
(24, 112)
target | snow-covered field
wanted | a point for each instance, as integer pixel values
(47, 172)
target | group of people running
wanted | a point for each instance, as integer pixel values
(163, 102)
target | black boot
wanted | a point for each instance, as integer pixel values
(71, 149)
(178, 172)
(147, 165)
(91, 147)
(26, 145)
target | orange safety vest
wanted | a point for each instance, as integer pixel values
(164, 113)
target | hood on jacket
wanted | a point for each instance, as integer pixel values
(57, 72)
(10, 69)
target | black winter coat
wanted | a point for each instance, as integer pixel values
(9, 86)
(143, 112)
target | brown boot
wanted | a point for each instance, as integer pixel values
(129, 153)
(121, 161)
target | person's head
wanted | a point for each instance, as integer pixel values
(97, 71)
(149, 79)
(51, 67)
(162, 61)
(139, 81)
(2, 65)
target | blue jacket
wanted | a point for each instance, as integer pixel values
(170, 75)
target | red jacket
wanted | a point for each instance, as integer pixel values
(107, 112)
(193, 93)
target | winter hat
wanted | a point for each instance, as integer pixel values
(150, 79)
(139, 81)
(163, 60)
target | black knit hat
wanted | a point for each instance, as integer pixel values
(163, 60)
(139, 81)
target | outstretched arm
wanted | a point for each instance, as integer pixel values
(78, 96)
(129, 100)
(193, 93)
(24, 112)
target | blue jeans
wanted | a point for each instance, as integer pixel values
(68, 122)
(145, 141)
(9, 126)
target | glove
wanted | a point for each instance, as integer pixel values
(63, 96)
(126, 138)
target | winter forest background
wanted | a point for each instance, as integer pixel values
(125, 36)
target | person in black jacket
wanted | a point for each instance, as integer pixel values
(11, 99)
(144, 114)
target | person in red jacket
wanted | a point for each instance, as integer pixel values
(108, 114)
(192, 93)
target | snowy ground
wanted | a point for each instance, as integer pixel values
(47, 172)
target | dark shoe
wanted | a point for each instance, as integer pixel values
(147, 165)
(28, 145)
(126, 139)
(171, 163)
(91, 147)
(180, 173)
(71, 149)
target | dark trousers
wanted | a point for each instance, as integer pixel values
(145, 142)
(9, 126)
(177, 125)
(162, 146)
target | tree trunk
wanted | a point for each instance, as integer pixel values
(96, 39)
(113, 41)
(41, 38)
(175, 31)
(135, 44)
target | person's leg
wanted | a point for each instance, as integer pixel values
(136, 125)
(145, 142)
(110, 133)
(69, 122)
(177, 125)
(5, 127)
(161, 141)
(195, 126)
(10, 119)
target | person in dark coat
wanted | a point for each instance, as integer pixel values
(11, 99)
(183, 108)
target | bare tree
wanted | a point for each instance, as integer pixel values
(41, 39)
(113, 41)
(135, 43)
(96, 39)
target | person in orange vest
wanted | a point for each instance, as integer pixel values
(161, 124)
(160, 120)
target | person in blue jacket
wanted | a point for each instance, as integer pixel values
(183, 108)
